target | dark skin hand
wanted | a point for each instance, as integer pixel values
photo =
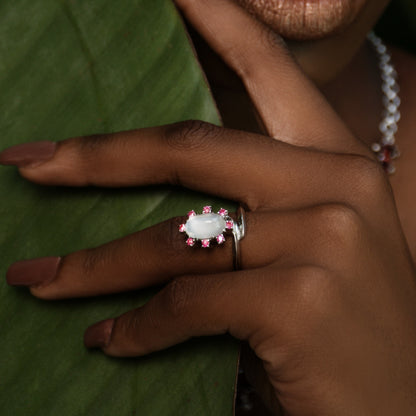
(353, 83)
(327, 295)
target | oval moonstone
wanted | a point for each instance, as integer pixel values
(205, 226)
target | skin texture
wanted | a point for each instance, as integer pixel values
(326, 298)
(304, 19)
(322, 58)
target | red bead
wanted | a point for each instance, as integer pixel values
(387, 154)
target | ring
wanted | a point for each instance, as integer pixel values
(239, 232)
(210, 226)
(207, 227)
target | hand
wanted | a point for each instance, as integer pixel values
(327, 296)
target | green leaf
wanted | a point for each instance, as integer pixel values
(72, 68)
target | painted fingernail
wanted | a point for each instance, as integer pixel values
(99, 334)
(33, 272)
(28, 154)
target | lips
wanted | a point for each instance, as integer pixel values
(304, 19)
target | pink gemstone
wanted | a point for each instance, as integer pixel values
(191, 213)
(207, 210)
(190, 242)
(182, 228)
(220, 239)
(205, 243)
(223, 212)
(229, 225)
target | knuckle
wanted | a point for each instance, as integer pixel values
(130, 326)
(94, 259)
(341, 223)
(89, 146)
(129, 323)
(178, 296)
(88, 151)
(367, 180)
(93, 142)
(172, 240)
(190, 135)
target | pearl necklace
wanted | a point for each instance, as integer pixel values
(386, 149)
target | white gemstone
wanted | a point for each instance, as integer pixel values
(205, 226)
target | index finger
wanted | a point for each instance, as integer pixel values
(291, 107)
(244, 167)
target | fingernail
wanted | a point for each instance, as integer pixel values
(28, 154)
(33, 272)
(99, 334)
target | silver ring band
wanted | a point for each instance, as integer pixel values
(210, 226)
(239, 232)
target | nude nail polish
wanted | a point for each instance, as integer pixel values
(99, 334)
(28, 154)
(33, 272)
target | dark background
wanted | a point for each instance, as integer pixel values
(398, 24)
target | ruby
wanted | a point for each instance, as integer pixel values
(220, 239)
(205, 243)
(207, 210)
(229, 225)
(387, 154)
(223, 212)
(191, 213)
(190, 242)
(182, 228)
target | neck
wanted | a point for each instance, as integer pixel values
(356, 95)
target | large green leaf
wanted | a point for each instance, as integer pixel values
(70, 68)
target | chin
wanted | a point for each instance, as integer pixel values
(305, 19)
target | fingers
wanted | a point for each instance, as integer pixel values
(188, 307)
(159, 253)
(261, 306)
(244, 167)
(146, 258)
(290, 106)
(193, 154)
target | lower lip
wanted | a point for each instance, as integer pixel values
(304, 19)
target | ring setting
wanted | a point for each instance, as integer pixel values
(207, 227)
